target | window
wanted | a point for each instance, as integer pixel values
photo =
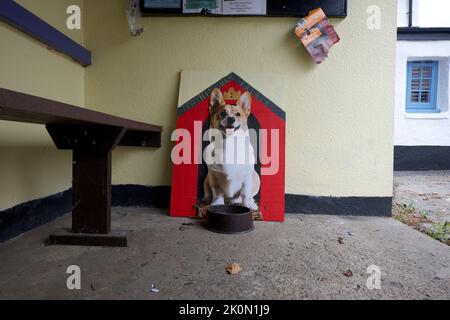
(422, 86)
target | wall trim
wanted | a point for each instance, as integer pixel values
(32, 214)
(422, 34)
(421, 158)
(19, 17)
(348, 206)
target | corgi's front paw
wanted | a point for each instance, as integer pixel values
(251, 204)
(206, 200)
(236, 201)
(218, 201)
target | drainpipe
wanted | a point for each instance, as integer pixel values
(410, 14)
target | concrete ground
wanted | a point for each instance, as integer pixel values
(304, 258)
(425, 194)
(427, 191)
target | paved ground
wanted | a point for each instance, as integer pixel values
(426, 194)
(428, 191)
(300, 259)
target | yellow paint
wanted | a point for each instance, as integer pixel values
(30, 166)
(339, 114)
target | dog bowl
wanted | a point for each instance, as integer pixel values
(229, 219)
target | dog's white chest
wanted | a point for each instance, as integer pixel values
(238, 160)
(238, 150)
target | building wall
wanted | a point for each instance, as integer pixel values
(339, 126)
(339, 114)
(402, 13)
(30, 166)
(422, 129)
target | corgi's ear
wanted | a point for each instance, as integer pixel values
(245, 102)
(216, 100)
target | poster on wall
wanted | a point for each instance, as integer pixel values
(244, 7)
(162, 4)
(198, 6)
(317, 34)
(229, 148)
(226, 7)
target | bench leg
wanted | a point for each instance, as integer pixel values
(91, 192)
(91, 184)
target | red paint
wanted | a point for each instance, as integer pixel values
(185, 176)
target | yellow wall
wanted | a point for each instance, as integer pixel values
(339, 114)
(30, 166)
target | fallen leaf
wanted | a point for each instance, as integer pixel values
(233, 268)
(341, 240)
(348, 273)
(185, 226)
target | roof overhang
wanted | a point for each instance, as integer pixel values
(423, 34)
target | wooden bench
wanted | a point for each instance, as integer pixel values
(91, 136)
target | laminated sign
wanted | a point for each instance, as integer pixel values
(317, 34)
(229, 149)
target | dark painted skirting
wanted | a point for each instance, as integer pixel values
(140, 196)
(357, 206)
(32, 214)
(421, 158)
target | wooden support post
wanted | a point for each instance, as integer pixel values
(91, 181)
(91, 191)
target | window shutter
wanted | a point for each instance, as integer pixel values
(422, 86)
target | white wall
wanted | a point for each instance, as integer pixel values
(402, 13)
(422, 129)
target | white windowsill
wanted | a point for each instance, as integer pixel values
(440, 115)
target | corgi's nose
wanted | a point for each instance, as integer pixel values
(230, 120)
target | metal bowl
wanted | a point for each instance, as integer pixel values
(229, 219)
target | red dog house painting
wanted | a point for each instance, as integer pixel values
(229, 149)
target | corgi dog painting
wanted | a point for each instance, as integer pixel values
(233, 178)
(229, 146)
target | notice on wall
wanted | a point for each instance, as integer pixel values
(202, 6)
(226, 7)
(244, 7)
(162, 4)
